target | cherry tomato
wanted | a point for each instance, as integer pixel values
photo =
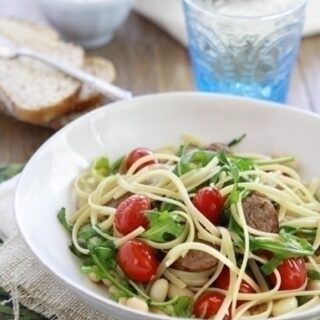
(137, 261)
(130, 214)
(208, 305)
(210, 203)
(223, 282)
(292, 272)
(135, 155)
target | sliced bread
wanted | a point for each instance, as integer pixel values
(102, 68)
(32, 91)
(88, 99)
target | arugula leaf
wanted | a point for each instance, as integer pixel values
(233, 166)
(101, 166)
(103, 273)
(115, 167)
(283, 247)
(234, 171)
(62, 218)
(182, 149)
(104, 250)
(236, 141)
(286, 245)
(192, 160)
(164, 226)
(313, 275)
(272, 264)
(183, 307)
(308, 234)
(86, 232)
(166, 206)
(8, 171)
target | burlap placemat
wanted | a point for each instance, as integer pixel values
(23, 277)
(29, 283)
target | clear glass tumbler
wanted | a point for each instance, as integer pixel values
(244, 47)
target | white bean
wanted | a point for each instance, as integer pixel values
(177, 292)
(92, 276)
(107, 283)
(313, 285)
(159, 290)
(284, 306)
(137, 304)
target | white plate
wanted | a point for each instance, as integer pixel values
(150, 121)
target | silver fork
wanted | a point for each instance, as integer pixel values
(9, 50)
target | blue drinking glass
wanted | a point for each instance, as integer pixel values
(244, 47)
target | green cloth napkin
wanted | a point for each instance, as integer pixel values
(6, 308)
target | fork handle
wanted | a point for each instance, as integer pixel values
(107, 89)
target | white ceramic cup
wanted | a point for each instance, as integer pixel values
(90, 23)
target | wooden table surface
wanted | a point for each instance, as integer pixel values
(148, 60)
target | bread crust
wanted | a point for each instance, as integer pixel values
(41, 115)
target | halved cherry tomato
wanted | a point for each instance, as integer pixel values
(209, 202)
(130, 213)
(208, 305)
(137, 261)
(292, 272)
(223, 282)
(135, 155)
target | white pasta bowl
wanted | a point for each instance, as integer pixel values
(150, 121)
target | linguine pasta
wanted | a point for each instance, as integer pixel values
(171, 180)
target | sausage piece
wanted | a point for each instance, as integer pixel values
(217, 147)
(195, 261)
(260, 213)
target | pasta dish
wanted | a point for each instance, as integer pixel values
(199, 231)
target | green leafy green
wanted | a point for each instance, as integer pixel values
(183, 307)
(166, 206)
(86, 232)
(236, 141)
(313, 275)
(102, 261)
(182, 150)
(106, 253)
(101, 166)
(63, 220)
(164, 226)
(192, 160)
(115, 167)
(233, 166)
(100, 258)
(283, 247)
(8, 171)
(308, 234)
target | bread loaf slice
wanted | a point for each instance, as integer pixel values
(89, 99)
(102, 68)
(32, 91)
